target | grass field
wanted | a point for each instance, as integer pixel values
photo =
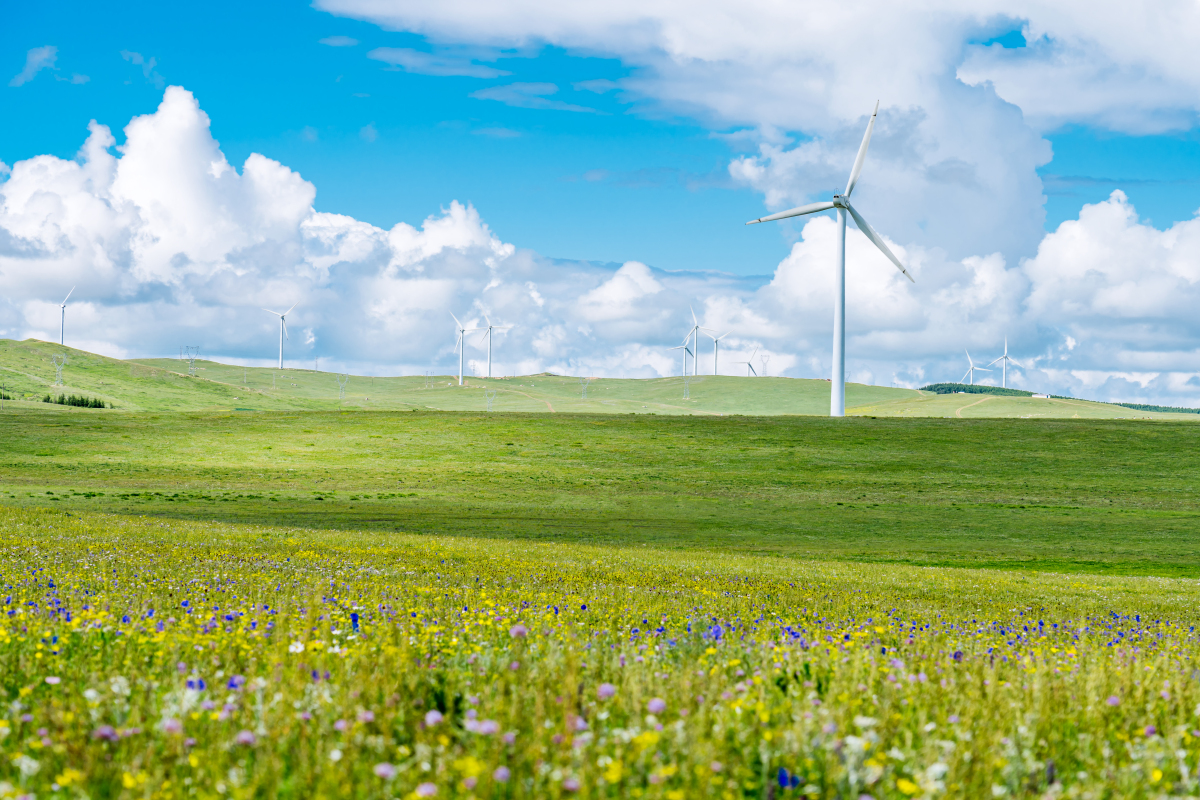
(386, 600)
(26, 369)
(146, 658)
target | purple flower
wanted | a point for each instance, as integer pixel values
(518, 631)
(514, 666)
(501, 775)
(571, 784)
(52, 679)
(385, 771)
(341, 725)
(657, 705)
(245, 737)
(366, 716)
(172, 726)
(952, 719)
(1151, 730)
(509, 738)
(606, 691)
(236, 682)
(716, 766)
(105, 732)
(433, 718)
(426, 790)
(1114, 700)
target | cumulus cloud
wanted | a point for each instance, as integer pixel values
(169, 244)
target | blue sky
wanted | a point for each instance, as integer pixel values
(584, 171)
(630, 182)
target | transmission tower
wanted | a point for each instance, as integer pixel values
(490, 394)
(342, 381)
(192, 353)
(583, 384)
(58, 369)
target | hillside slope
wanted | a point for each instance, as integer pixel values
(27, 371)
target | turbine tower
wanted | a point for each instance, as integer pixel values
(716, 340)
(62, 326)
(282, 329)
(461, 334)
(488, 335)
(972, 369)
(1003, 362)
(685, 352)
(694, 335)
(837, 400)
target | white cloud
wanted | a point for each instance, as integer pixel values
(36, 60)
(423, 63)
(338, 41)
(147, 65)
(529, 95)
(170, 244)
(368, 132)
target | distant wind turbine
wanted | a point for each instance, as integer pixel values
(694, 335)
(972, 369)
(749, 364)
(62, 329)
(837, 400)
(716, 340)
(282, 329)
(1003, 362)
(462, 332)
(488, 335)
(685, 353)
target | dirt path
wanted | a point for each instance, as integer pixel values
(958, 412)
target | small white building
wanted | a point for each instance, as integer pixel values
(1041, 397)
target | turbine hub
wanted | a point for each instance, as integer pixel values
(838, 202)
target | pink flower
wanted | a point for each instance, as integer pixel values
(366, 716)
(386, 771)
(606, 691)
(514, 666)
(341, 725)
(518, 631)
(427, 790)
(433, 718)
(172, 726)
(571, 784)
(657, 705)
(501, 775)
(716, 766)
(52, 679)
(469, 782)
(245, 737)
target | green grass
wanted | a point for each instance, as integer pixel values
(164, 385)
(1064, 495)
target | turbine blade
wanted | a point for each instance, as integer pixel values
(269, 311)
(862, 152)
(694, 322)
(456, 322)
(870, 233)
(1013, 361)
(799, 211)
(68, 297)
(752, 369)
(285, 333)
(290, 309)
(997, 361)
(965, 374)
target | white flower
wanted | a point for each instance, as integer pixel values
(296, 647)
(335, 755)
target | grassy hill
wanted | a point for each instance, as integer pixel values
(26, 370)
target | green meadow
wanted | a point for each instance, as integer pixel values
(224, 587)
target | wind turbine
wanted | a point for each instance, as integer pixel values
(685, 353)
(488, 335)
(62, 329)
(1003, 362)
(282, 329)
(461, 334)
(749, 364)
(716, 339)
(837, 400)
(971, 371)
(694, 335)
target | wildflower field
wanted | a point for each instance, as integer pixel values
(144, 657)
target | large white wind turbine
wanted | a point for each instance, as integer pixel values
(62, 325)
(462, 332)
(1003, 362)
(716, 341)
(488, 335)
(973, 369)
(837, 400)
(282, 329)
(694, 335)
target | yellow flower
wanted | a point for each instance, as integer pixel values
(68, 777)
(907, 786)
(613, 772)
(1156, 776)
